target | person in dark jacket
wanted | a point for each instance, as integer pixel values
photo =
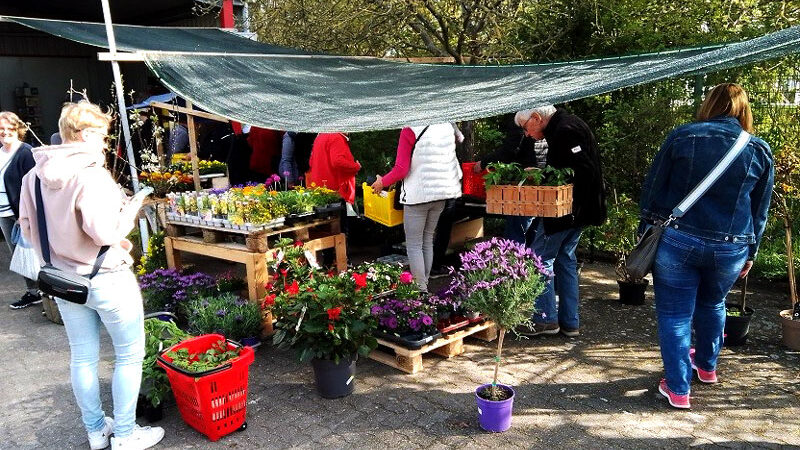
(16, 160)
(525, 151)
(571, 145)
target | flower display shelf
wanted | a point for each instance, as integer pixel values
(410, 361)
(255, 254)
(537, 201)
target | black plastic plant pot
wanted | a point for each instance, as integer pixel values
(632, 293)
(144, 408)
(737, 328)
(334, 380)
(410, 341)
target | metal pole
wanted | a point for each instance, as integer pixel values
(123, 116)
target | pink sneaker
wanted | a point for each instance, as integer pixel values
(677, 401)
(708, 377)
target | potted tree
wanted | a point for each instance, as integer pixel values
(325, 318)
(500, 279)
(786, 194)
(618, 235)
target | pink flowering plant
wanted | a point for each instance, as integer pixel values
(501, 279)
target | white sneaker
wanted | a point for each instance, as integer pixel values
(98, 440)
(140, 439)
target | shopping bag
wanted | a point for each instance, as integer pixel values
(640, 261)
(24, 261)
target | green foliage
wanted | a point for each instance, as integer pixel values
(158, 336)
(618, 233)
(514, 174)
(212, 358)
(226, 314)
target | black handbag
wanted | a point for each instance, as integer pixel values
(53, 281)
(399, 189)
(640, 261)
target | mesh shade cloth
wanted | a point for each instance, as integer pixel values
(285, 89)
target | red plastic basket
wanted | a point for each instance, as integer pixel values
(473, 183)
(212, 402)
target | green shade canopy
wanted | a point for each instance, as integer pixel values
(279, 88)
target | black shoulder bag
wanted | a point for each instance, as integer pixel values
(53, 281)
(641, 259)
(398, 191)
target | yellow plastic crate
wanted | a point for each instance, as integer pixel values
(380, 207)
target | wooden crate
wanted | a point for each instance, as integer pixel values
(449, 345)
(536, 201)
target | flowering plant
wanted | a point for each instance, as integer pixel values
(319, 314)
(166, 289)
(501, 279)
(405, 317)
(164, 182)
(226, 314)
(382, 277)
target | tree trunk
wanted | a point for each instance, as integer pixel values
(497, 358)
(468, 146)
(787, 226)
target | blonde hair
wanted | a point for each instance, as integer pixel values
(76, 117)
(727, 99)
(15, 122)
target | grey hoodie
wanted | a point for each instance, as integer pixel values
(84, 208)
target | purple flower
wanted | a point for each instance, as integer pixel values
(376, 310)
(239, 318)
(221, 313)
(391, 323)
(426, 319)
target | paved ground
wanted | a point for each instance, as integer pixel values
(594, 391)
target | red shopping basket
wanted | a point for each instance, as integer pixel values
(473, 184)
(213, 402)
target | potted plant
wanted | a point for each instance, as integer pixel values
(168, 289)
(786, 195)
(159, 335)
(512, 190)
(226, 314)
(618, 235)
(501, 279)
(737, 320)
(410, 322)
(324, 317)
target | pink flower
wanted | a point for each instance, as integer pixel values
(406, 278)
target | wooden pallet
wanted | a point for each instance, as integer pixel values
(449, 345)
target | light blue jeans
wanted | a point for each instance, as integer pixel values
(419, 222)
(691, 277)
(557, 251)
(116, 302)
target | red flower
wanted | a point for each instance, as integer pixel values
(284, 272)
(294, 288)
(406, 278)
(361, 280)
(269, 286)
(330, 274)
(269, 300)
(298, 243)
(333, 313)
(330, 327)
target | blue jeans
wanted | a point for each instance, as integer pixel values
(517, 227)
(557, 251)
(116, 302)
(691, 277)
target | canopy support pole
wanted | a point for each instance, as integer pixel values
(123, 116)
(193, 146)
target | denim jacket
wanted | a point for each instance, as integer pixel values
(734, 209)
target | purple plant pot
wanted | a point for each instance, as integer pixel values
(495, 416)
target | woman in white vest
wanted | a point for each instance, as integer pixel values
(427, 165)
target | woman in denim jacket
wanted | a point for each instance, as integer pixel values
(702, 254)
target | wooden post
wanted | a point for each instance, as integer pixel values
(193, 147)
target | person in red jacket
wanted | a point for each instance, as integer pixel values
(333, 166)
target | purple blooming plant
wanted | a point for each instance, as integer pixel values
(405, 317)
(166, 289)
(500, 279)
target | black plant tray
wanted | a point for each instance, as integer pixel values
(329, 208)
(411, 342)
(293, 219)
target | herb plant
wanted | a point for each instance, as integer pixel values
(514, 174)
(212, 358)
(158, 335)
(226, 314)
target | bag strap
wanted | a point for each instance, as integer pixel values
(710, 178)
(411, 155)
(44, 241)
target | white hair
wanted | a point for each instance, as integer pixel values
(545, 112)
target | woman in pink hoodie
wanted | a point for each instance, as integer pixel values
(85, 210)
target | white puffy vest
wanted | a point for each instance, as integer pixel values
(435, 173)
